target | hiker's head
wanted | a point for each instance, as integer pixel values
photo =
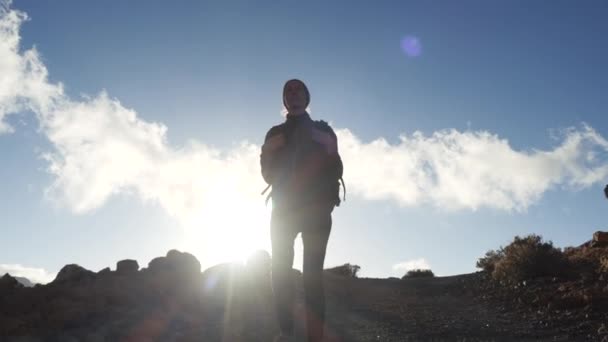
(295, 96)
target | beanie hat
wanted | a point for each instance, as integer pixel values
(303, 86)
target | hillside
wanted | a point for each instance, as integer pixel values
(171, 300)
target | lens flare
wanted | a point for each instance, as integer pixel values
(411, 46)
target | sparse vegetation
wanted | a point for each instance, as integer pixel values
(418, 273)
(586, 261)
(489, 261)
(525, 258)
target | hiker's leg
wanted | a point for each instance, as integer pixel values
(314, 238)
(282, 236)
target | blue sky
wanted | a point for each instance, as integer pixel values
(523, 82)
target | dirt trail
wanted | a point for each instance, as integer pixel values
(423, 309)
(458, 308)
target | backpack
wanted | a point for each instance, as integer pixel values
(338, 200)
(340, 181)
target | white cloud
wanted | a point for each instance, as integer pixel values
(101, 149)
(415, 264)
(35, 275)
(468, 170)
(23, 77)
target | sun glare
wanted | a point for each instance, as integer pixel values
(229, 227)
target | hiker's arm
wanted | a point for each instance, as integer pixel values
(606, 191)
(272, 142)
(327, 137)
(335, 161)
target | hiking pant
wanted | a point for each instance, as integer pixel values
(314, 222)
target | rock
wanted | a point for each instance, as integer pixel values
(104, 271)
(73, 273)
(127, 266)
(600, 236)
(158, 264)
(183, 262)
(9, 283)
(179, 263)
(175, 273)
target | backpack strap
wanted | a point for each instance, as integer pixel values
(344, 187)
(269, 194)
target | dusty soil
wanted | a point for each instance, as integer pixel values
(458, 308)
(144, 306)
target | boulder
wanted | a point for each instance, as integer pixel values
(127, 266)
(176, 262)
(600, 236)
(9, 283)
(73, 273)
(183, 262)
(104, 271)
(157, 265)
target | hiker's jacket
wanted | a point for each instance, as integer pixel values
(303, 170)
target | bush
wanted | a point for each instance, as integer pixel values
(603, 265)
(489, 261)
(524, 258)
(587, 261)
(418, 273)
(346, 270)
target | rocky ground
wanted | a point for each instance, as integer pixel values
(171, 300)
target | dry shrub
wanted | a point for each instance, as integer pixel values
(418, 273)
(525, 258)
(604, 265)
(488, 262)
(587, 261)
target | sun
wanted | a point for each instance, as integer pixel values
(229, 227)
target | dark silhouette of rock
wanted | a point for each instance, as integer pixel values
(104, 271)
(346, 270)
(73, 273)
(174, 301)
(22, 280)
(174, 268)
(127, 266)
(9, 283)
(158, 264)
(183, 262)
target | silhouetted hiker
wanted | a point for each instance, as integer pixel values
(300, 161)
(606, 191)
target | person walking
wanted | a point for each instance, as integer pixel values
(300, 161)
